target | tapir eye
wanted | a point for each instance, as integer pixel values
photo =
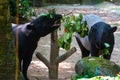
(30, 27)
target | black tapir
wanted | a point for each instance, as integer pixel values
(29, 35)
(99, 33)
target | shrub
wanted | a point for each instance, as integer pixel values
(24, 8)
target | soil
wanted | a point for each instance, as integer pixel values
(108, 11)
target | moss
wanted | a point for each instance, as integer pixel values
(1, 7)
(3, 1)
(94, 66)
(7, 48)
(1, 17)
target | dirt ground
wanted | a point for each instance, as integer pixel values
(109, 12)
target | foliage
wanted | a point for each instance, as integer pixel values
(72, 24)
(49, 14)
(25, 10)
(12, 4)
(78, 77)
(7, 48)
(94, 66)
(105, 51)
(74, 1)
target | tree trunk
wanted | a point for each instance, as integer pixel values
(53, 71)
(7, 48)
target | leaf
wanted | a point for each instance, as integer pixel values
(72, 22)
(64, 45)
(80, 16)
(51, 16)
(84, 30)
(52, 11)
(63, 18)
(67, 36)
(8, 36)
(107, 45)
(66, 25)
(67, 46)
(60, 41)
(105, 52)
(82, 34)
(42, 14)
(72, 17)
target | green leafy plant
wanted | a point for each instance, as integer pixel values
(75, 77)
(25, 10)
(78, 77)
(50, 13)
(12, 4)
(72, 24)
(105, 51)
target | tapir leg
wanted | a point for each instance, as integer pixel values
(84, 51)
(107, 57)
(94, 51)
(26, 62)
(20, 62)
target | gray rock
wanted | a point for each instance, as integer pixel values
(94, 66)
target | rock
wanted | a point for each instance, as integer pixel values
(94, 66)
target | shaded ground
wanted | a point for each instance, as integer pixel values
(109, 12)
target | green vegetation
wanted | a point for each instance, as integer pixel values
(105, 51)
(25, 10)
(50, 13)
(72, 24)
(7, 48)
(77, 77)
(94, 68)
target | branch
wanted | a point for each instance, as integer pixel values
(66, 55)
(69, 12)
(43, 59)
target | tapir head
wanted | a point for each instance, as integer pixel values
(44, 25)
(104, 34)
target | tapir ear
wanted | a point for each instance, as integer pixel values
(30, 27)
(113, 29)
(93, 29)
